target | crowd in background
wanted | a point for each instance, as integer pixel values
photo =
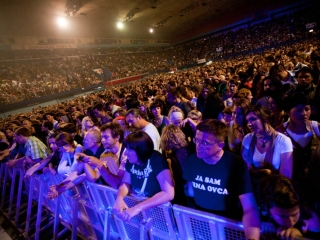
(24, 80)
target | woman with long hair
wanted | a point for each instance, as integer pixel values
(276, 107)
(237, 128)
(175, 147)
(264, 149)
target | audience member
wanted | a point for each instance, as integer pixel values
(146, 174)
(222, 177)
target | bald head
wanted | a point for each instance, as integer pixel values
(92, 139)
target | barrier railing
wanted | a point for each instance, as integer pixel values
(86, 211)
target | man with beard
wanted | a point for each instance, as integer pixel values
(109, 169)
(268, 86)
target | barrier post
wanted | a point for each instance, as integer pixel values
(3, 195)
(29, 206)
(75, 219)
(19, 196)
(56, 218)
(2, 170)
(144, 228)
(106, 227)
(13, 183)
(39, 211)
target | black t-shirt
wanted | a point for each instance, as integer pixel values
(149, 170)
(97, 154)
(217, 187)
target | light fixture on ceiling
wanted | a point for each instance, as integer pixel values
(62, 21)
(151, 30)
(120, 25)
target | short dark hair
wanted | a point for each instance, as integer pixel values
(214, 127)
(279, 100)
(296, 99)
(115, 129)
(63, 139)
(275, 69)
(99, 107)
(172, 83)
(305, 69)
(141, 143)
(156, 104)
(69, 128)
(47, 124)
(132, 103)
(277, 190)
(23, 131)
(50, 113)
(175, 92)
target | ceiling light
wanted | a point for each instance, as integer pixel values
(151, 30)
(120, 25)
(62, 22)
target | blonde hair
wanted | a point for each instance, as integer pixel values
(175, 109)
(83, 126)
(172, 138)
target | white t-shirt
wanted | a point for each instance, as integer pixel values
(152, 131)
(304, 139)
(282, 144)
(67, 164)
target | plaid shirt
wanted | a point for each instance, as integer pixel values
(36, 149)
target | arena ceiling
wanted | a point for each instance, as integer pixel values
(171, 19)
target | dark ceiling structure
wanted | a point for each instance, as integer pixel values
(170, 19)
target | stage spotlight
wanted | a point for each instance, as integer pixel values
(62, 22)
(151, 30)
(120, 25)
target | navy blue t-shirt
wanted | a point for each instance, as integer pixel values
(217, 187)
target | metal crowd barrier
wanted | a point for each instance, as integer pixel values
(155, 223)
(194, 224)
(86, 211)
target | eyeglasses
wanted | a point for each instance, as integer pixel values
(203, 143)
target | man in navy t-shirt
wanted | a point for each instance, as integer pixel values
(219, 181)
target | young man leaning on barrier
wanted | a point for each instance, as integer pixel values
(92, 147)
(34, 150)
(103, 159)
